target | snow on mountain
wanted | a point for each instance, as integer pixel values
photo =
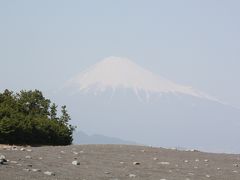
(116, 72)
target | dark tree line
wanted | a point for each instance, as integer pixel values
(28, 117)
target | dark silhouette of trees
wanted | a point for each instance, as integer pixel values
(28, 117)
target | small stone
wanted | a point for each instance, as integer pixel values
(14, 148)
(29, 165)
(36, 170)
(2, 159)
(163, 179)
(19, 164)
(208, 176)
(29, 150)
(13, 162)
(28, 157)
(195, 167)
(107, 172)
(27, 170)
(63, 152)
(235, 171)
(136, 163)
(132, 175)
(22, 149)
(164, 163)
(155, 159)
(49, 173)
(122, 162)
(76, 163)
(206, 160)
(218, 169)
(40, 158)
(235, 165)
(191, 174)
(76, 153)
(81, 152)
(197, 160)
(186, 161)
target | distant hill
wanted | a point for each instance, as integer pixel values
(81, 137)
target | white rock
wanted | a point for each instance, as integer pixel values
(35, 170)
(13, 162)
(76, 163)
(155, 159)
(164, 163)
(29, 150)
(208, 176)
(22, 149)
(49, 173)
(132, 175)
(186, 161)
(235, 165)
(197, 160)
(206, 160)
(28, 157)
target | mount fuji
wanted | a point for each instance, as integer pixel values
(118, 98)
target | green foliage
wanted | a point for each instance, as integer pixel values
(29, 118)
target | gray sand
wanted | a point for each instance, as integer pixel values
(116, 162)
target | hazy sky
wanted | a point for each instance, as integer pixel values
(197, 43)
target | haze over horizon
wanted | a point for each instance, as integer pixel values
(43, 44)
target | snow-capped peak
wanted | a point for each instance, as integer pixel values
(117, 72)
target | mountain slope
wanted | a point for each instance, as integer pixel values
(174, 115)
(115, 72)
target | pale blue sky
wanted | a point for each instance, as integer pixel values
(44, 43)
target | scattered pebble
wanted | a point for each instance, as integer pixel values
(28, 157)
(76, 163)
(132, 175)
(13, 162)
(164, 163)
(136, 163)
(208, 176)
(35, 170)
(14, 148)
(27, 170)
(2, 159)
(49, 173)
(235, 165)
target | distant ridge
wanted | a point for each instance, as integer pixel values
(81, 137)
